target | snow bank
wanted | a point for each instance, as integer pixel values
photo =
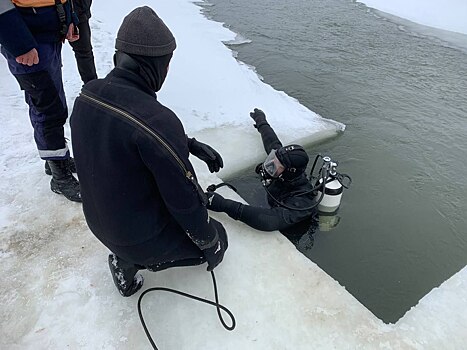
(448, 14)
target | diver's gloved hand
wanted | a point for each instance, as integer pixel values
(207, 154)
(215, 202)
(259, 117)
(219, 204)
(215, 253)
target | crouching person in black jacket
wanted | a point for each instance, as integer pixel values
(139, 190)
(290, 195)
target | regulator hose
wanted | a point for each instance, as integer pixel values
(282, 204)
(214, 303)
(341, 178)
(214, 187)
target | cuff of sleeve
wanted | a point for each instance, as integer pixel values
(260, 124)
(15, 36)
(233, 209)
(191, 142)
(209, 244)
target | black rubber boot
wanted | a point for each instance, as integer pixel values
(63, 181)
(124, 275)
(71, 165)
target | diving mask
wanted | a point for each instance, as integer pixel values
(272, 166)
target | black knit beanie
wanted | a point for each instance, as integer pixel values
(143, 33)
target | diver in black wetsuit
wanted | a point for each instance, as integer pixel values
(290, 194)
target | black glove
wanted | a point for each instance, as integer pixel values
(207, 154)
(215, 202)
(215, 254)
(259, 117)
(218, 203)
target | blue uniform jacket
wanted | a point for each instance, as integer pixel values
(22, 28)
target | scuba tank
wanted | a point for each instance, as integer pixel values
(329, 186)
(333, 188)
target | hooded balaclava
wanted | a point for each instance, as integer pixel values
(146, 39)
(294, 159)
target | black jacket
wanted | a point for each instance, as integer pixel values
(82, 9)
(136, 199)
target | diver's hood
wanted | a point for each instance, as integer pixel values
(153, 70)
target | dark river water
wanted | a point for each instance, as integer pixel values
(402, 96)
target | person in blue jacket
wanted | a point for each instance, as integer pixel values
(140, 194)
(31, 35)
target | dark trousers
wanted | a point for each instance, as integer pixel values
(43, 90)
(83, 53)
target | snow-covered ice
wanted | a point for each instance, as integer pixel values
(56, 289)
(447, 14)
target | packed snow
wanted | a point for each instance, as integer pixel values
(57, 292)
(447, 14)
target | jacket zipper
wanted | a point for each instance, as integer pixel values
(187, 173)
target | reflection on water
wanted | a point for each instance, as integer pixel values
(328, 222)
(401, 228)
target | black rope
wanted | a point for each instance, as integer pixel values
(214, 187)
(216, 304)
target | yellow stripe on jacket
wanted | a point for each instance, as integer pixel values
(35, 3)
